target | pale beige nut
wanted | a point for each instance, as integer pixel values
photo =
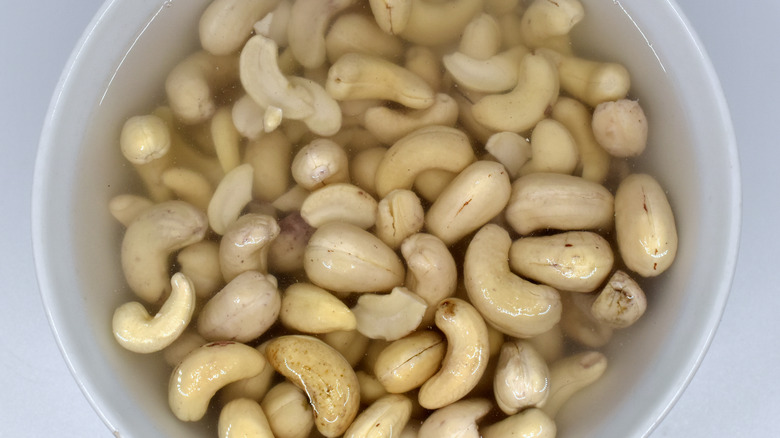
(230, 197)
(481, 38)
(578, 323)
(390, 125)
(309, 20)
(399, 215)
(570, 375)
(510, 149)
(425, 25)
(496, 74)
(391, 15)
(550, 344)
(242, 418)
(253, 388)
(276, 23)
(354, 32)
(319, 163)
(200, 262)
(530, 423)
(545, 19)
(576, 117)
(351, 344)
(522, 378)
(325, 376)
(621, 303)
(383, 418)
(340, 202)
(188, 341)
(456, 420)
(145, 141)
(311, 309)
(431, 270)
(620, 127)
(409, 362)
(553, 149)
(226, 139)
(192, 84)
(291, 200)
(389, 316)
(288, 411)
(326, 120)
(126, 207)
(225, 25)
(592, 82)
(270, 157)
(248, 117)
(189, 186)
(431, 182)
(246, 243)
(370, 388)
(425, 63)
(363, 165)
(286, 252)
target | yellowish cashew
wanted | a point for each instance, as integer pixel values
(496, 74)
(188, 185)
(544, 19)
(383, 418)
(207, 369)
(570, 375)
(431, 270)
(288, 411)
(200, 263)
(226, 24)
(319, 163)
(620, 127)
(425, 63)
(291, 200)
(363, 167)
(226, 139)
(530, 423)
(390, 125)
(230, 197)
(270, 157)
(456, 420)
(340, 202)
(325, 376)
(621, 303)
(125, 208)
(248, 117)
(466, 358)
(466, 100)
(150, 240)
(431, 182)
(515, 306)
(510, 149)
(553, 149)
(399, 215)
(522, 378)
(389, 316)
(242, 418)
(311, 309)
(246, 243)
(425, 25)
(575, 116)
(370, 388)
(481, 37)
(193, 82)
(355, 32)
(409, 362)
(137, 331)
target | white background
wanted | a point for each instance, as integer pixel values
(736, 392)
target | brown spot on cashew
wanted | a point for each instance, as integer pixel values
(225, 25)
(621, 303)
(193, 83)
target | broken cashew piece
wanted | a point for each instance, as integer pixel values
(242, 418)
(383, 418)
(340, 202)
(288, 411)
(246, 243)
(522, 378)
(431, 270)
(621, 303)
(311, 309)
(530, 423)
(570, 375)
(389, 316)
(230, 197)
(409, 362)
(225, 25)
(458, 420)
(510, 149)
(137, 331)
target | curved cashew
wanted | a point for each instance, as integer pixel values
(288, 411)
(458, 420)
(149, 241)
(426, 25)
(200, 263)
(579, 324)
(207, 369)
(351, 344)
(230, 197)
(270, 157)
(544, 19)
(137, 331)
(575, 116)
(340, 202)
(319, 163)
(286, 252)
(577, 261)
(188, 341)
(621, 303)
(644, 224)
(362, 76)
(145, 141)
(253, 388)
(522, 377)
(399, 215)
(513, 305)
(192, 84)
(309, 19)
(477, 195)
(325, 376)
(431, 182)
(431, 270)
(620, 127)
(246, 243)
(390, 125)
(383, 418)
(310, 309)
(363, 167)
(425, 63)
(125, 208)
(496, 74)
(592, 82)
(226, 24)
(391, 15)
(409, 362)
(389, 316)
(553, 149)
(341, 257)
(243, 417)
(557, 201)
(189, 186)
(510, 149)
(466, 358)
(526, 104)
(481, 37)
(433, 147)
(571, 374)
(531, 423)
(466, 100)
(356, 32)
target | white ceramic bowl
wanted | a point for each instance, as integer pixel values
(118, 70)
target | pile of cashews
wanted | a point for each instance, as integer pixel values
(387, 218)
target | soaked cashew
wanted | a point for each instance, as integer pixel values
(230, 197)
(243, 310)
(544, 19)
(225, 25)
(340, 202)
(207, 369)
(189, 186)
(246, 243)
(242, 418)
(370, 388)
(426, 27)
(145, 141)
(389, 316)
(481, 38)
(354, 32)
(137, 331)
(193, 82)
(383, 418)
(575, 116)
(286, 252)
(288, 411)
(466, 358)
(409, 362)
(351, 344)
(270, 157)
(466, 100)
(325, 376)
(644, 224)
(390, 125)
(530, 423)
(275, 24)
(577, 261)
(458, 420)
(522, 378)
(570, 375)
(309, 19)
(431, 182)
(496, 74)
(200, 263)
(188, 341)
(620, 127)
(363, 167)
(549, 344)
(248, 117)
(319, 163)
(431, 270)
(253, 388)
(344, 258)
(226, 139)
(125, 208)
(592, 82)
(553, 149)
(391, 15)
(400, 214)
(621, 303)
(425, 63)
(579, 324)
(310, 309)
(291, 200)
(326, 119)
(150, 240)
(513, 305)
(478, 194)
(510, 149)
(555, 201)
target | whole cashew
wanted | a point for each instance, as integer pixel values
(510, 149)
(246, 243)
(288, 411)
(399, 215)
(621, 303)
(589, 81)
(496, 74)
(481, 38)
(522, 378)
(389, 316)
(575, 116)
(230, 197)
(620, 127)
(137, 331)
(354, 32)
(286, 252)
(466, 358)
(193, 82)
(409, 362)
(530, 423)
(149, 241)
(425, 25)
(200, 263)
(225, 25)
(310, 309)
(243, 417)
(513, 305)
(309, 19)
(319, 163)
(644, 224)
(553, 149)
(189, 186)
(126, 207)
(545, 19)
(571, 374)
(431, 270)
(390, 125)
(340, 202)
(383, 418)
(145, 141)
(325, 376)
(207, 369)
(458, 420)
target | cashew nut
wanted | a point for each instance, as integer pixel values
(192, 84)
(466, 358)
(550, 344)
(515, 306)
(310, 309)
(620, 127)
(571, 374)
(288, 411)
(341, 257)
(270, 157)
(544, 19)
(356, 32)
(466, 100)
(530, 423)
(137, 331)
(389, 316)
(200, 263)
(248, 117)
(242, 418)
(458, 420)
(481, 37)
(621, 303)
(425, 25)
(579, 324)
(243, 310)
(253, 388)
(575, 116)
(125, 208)
(319, 163)
(431, 182)
(496, 74)
(390, 125)
(325, 376)
(145, 141)
(391, 15)
(370, 388)
(522, 379)
(399, 215)
(326, 119)
(431, 270)
(207, 369)
(644, 224)
(409, 362)
(510, 149)
(351, 344)
(590, 81)
(309, 19)
(149, 241)
(340, 202)
(226, 24)
(363, 167)
(425, 63)
(189, 186)
(553, 149)
(230, 197)
(275, 24)
(246, 243)
(188, 341)
(383, 418)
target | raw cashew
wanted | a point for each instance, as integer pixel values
(254, 388)
(310, 309)
(510, 149)
(621, 303)
(325, 376)
(326, 119)
(270, 157)
(319, 163)
(207, 369)
(433, 147)
(383, 418)
(496, 74)
(189, 186)
(340, 202)
(341, 257)
(286, 252)
(248, 117)
(555, 201)
(399, 215)
(243, 310)
(431, 270)
(409, 362)
(522, 379)
(426, 26)
(226, 139)
(363, 167)
(430, 183)
(291, 200)
(590, 81)
(390, 125)
(149, 242)
(644, 224)
(230, 197)
(553, 149)
(466, 100)
(544, 19)
(466, 358)
(137, 331)
(193, 83)
(458, 420)
(225, 25)
(526, 104)
(579, 324)
(145, 141)
(370, 388)
(577, 261)
(575, 116)
(309, 20)
(356, 32)
(478, 194)
(245, 245)
(391, 15)
(389, 316)
(200, 263)
(351, 344)
(362, 76)
(513, 305)
(275, 24)
(571, 374)
(125, 208)
(243, 418)
(549, 344)
(188, 341)
(288, 411)
(530, 423)
(620, 127)
(425, 63)
(481, 38)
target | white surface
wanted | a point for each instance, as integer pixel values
(735, 392)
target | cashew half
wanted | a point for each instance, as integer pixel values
(458, 420)
(409, 362)
(425, 25)
(510, 149)
(522, 378)
(340, 202)
(288, 411)
(399, 215)
(390, 125)
(193, 83)
(431, 271)
(621, 303)
(310, 309)
(513, 305)
(230, 197)
(325, 376)
(383, 418)
(571, 374)
(530, 423)
(389, 316)
(226, 24)
(242, 418)
(246, 243)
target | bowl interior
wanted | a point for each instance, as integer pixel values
(118, 71)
